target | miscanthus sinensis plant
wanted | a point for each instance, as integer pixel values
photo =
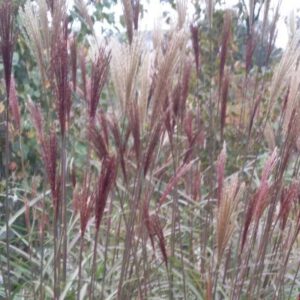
(168, 164)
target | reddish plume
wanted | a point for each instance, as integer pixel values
(154, 228)
(180, 172)
(14, 104)
(48, 144)
(105, 182)
(60, 73)
(195, 41)
(259, 201)
(153, 141)
(114, 127)
(147, 221)
(98, 141)
(288, 197)
(224, 99)
(98, 79)
(37, 119)
(84, 199)
(49, 154)
(226, 36)
(196, 184)
(185, 81)
(7, 39)
(156, 225)
(73, 58)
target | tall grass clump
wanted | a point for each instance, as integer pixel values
(160, 165)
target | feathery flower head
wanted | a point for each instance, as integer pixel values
(288, 197)
(196, 47)
(7, 39)
(105, 182)
(98, 79)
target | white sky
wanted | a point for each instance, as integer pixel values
(286, 8)
(154, 9)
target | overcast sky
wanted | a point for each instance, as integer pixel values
(286, 8)
(154, 9)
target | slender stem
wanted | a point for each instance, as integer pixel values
(106, 249)
(42, 250)
(91, 294)
(7, 208)
(30, 230)
(137, 190)
(55, 271)
(181, 253)
(245, 267)
(64, 206)
(216, 277)
(293, 282)
(4, 279)
(117, 238)
(80, 262)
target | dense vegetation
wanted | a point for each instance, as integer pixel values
(161, 165)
